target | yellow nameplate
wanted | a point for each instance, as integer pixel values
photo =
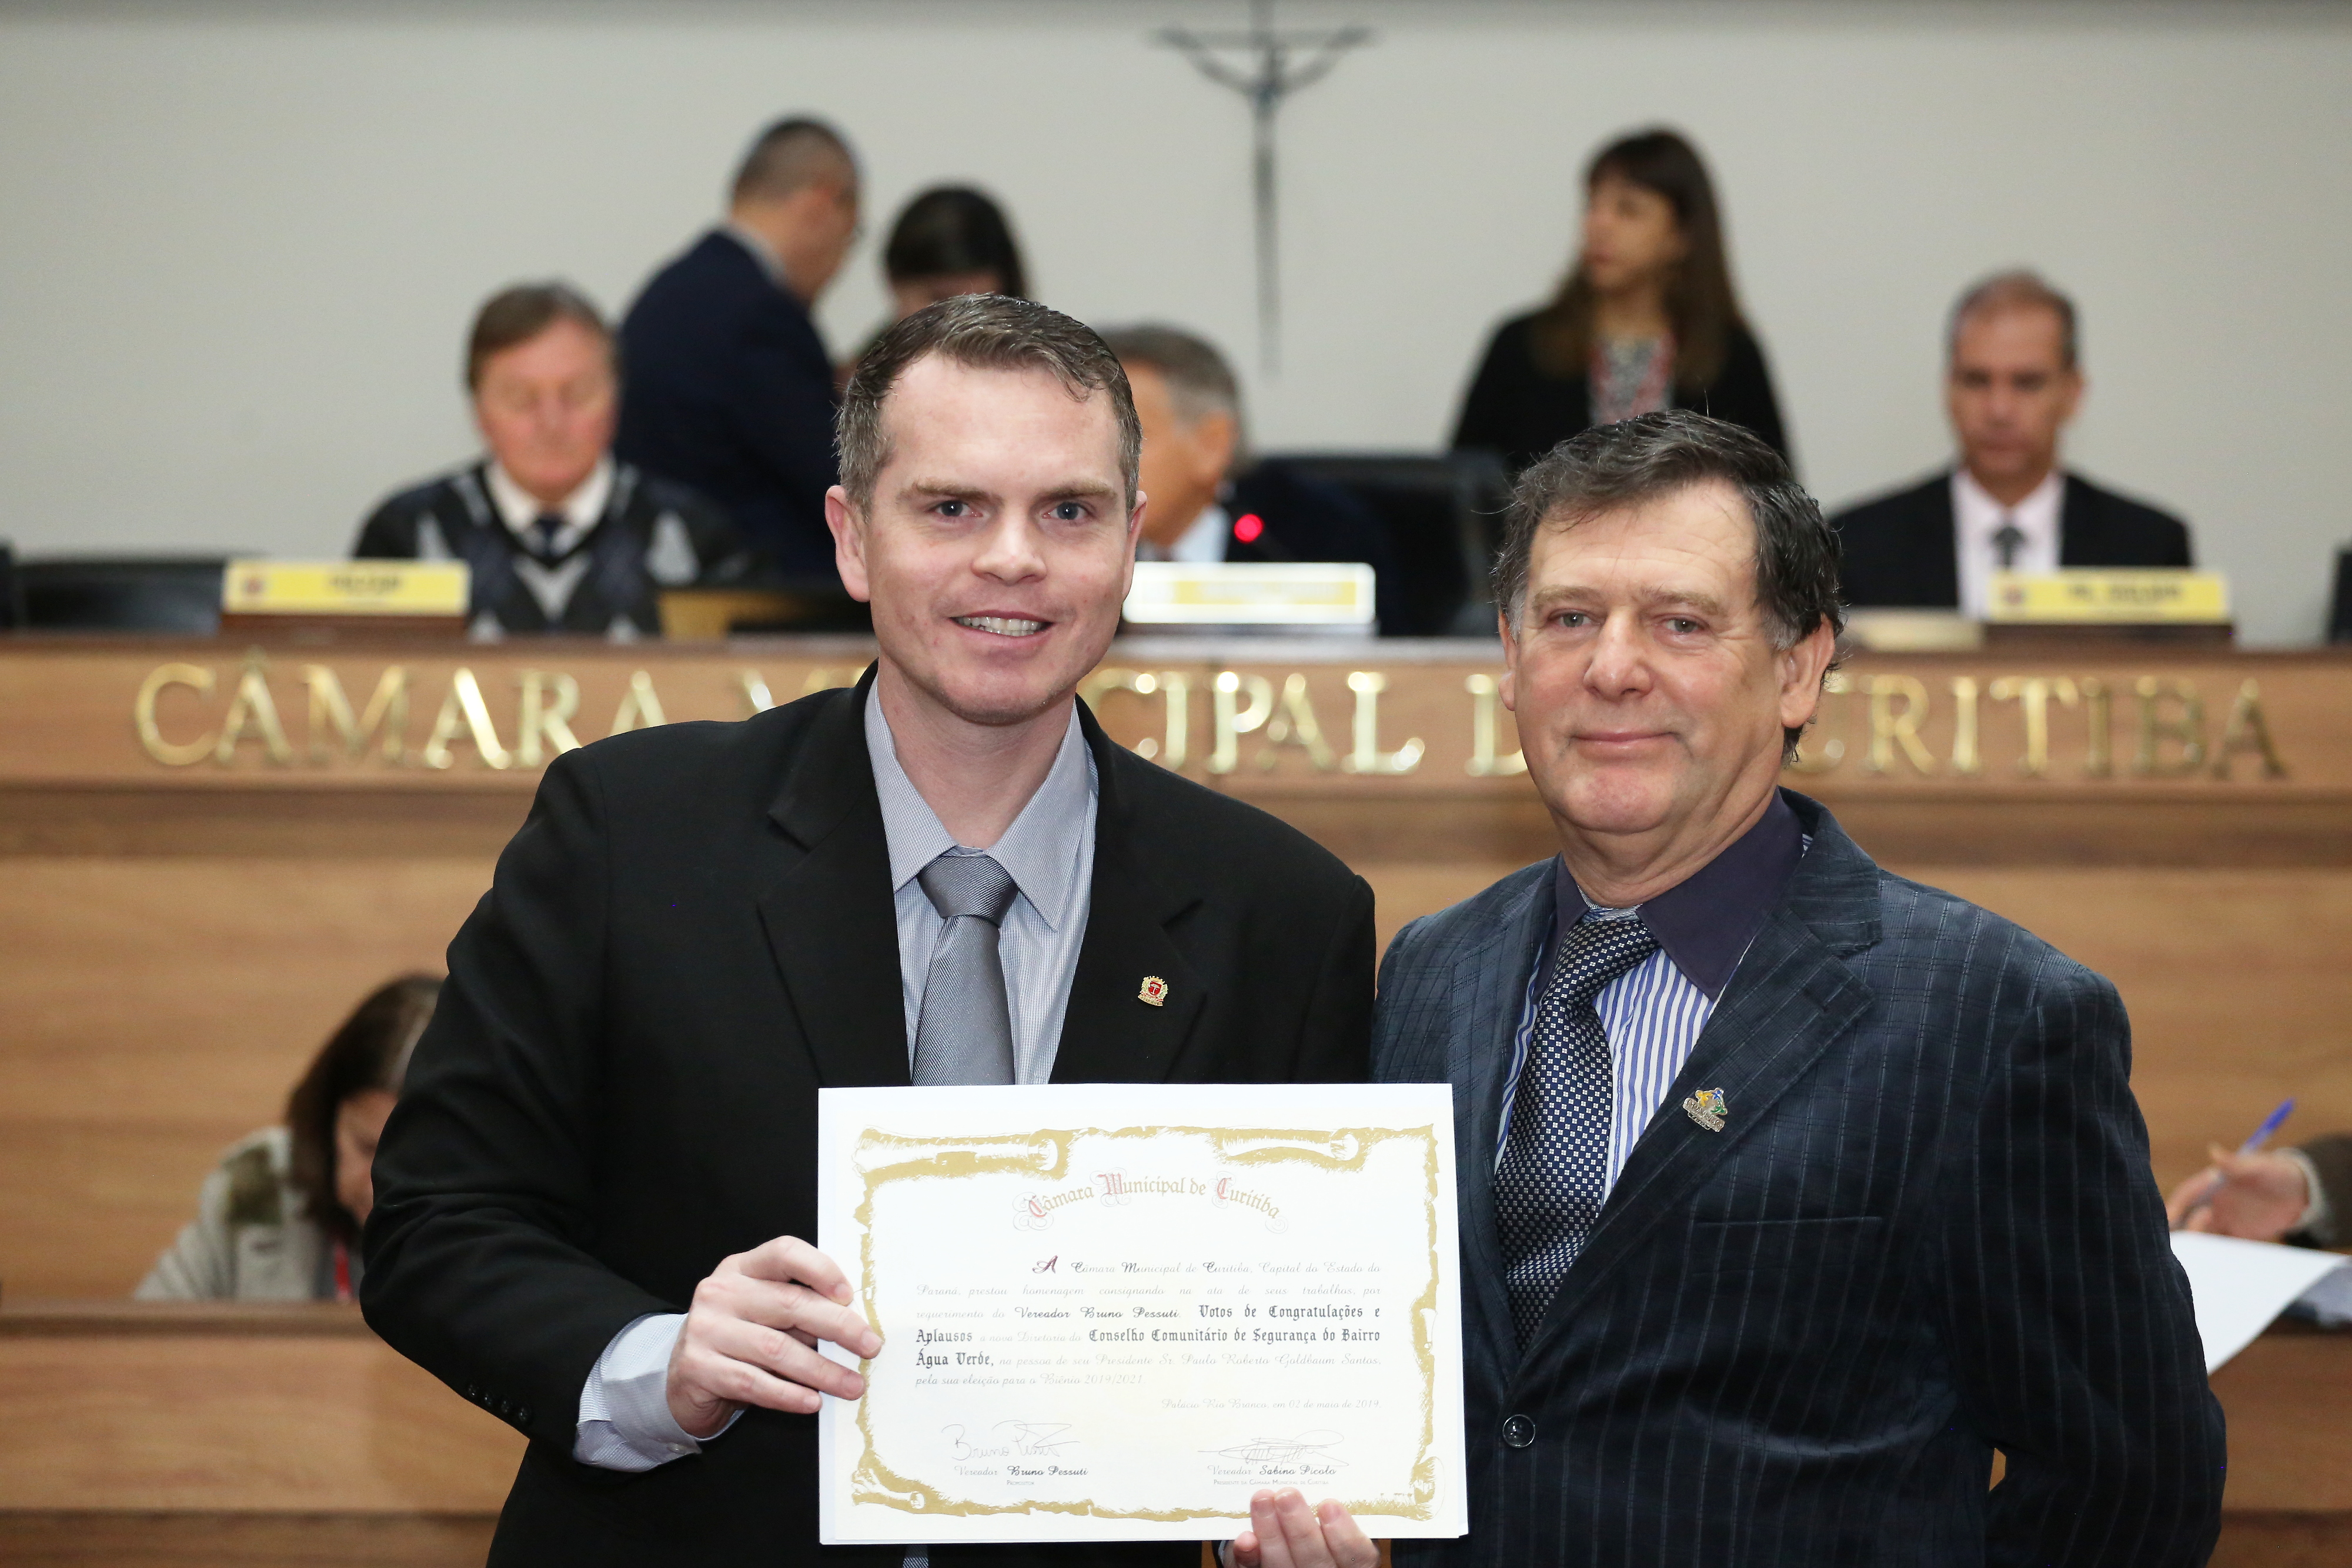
(344, 588)
(2097, 595)
(1250, 594)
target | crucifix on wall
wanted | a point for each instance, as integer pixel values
(1265, 65)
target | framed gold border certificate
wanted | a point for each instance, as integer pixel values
(1113, 1311)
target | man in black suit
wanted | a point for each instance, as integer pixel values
(1793, 1191)
(589, 1199)
(1208, 502)
(2012, 380)
(557, 535)
(730, 388)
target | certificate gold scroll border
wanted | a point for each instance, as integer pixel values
(1046, 1154)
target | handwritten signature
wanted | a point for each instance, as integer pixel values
(1283, 1451)
(1009, 1438)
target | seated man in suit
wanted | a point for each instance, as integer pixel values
(731, 388)
(559, 537)
(587, 1204)
(2012, 383)
(1791, 1191)
(1207, 503)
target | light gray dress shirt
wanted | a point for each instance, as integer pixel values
(1049, 852)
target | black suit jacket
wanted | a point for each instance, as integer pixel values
(690, 935)
(1902, 549)
(727, 387)
(1517, 408)
(1928, 1231)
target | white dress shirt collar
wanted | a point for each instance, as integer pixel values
(1203, 542)
(1038, 851)
(580, 510)
(1976, 517)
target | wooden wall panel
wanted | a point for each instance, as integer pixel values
(176, 941)
(155, 1012)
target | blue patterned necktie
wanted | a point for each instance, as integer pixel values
(1554, 1172)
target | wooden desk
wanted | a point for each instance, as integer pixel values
(199, 875)
(183, 1435)
(145, 1435)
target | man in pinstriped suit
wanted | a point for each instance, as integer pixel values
(1791, 1190)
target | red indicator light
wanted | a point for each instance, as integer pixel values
(1247, 527)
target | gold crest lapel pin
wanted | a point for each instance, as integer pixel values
(1707, 1108)
(1154, 991)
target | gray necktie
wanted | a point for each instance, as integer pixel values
(964, 1034)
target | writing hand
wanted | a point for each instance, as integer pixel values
(2260, 1198)
(750, 1337)
(1285, 1532)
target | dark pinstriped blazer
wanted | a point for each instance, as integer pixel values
(1929, 1231)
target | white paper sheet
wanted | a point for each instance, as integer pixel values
(2241, 1286)
(1113, 1311)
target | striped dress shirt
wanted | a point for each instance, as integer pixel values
(1652, 1014)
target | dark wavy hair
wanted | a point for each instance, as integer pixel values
(1701, 304)
(1614, 467)
(951, 229)
(370, 1052)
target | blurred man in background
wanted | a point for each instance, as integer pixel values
(1208, 501)
(559, 535)
(2012, 380)
(731, 388)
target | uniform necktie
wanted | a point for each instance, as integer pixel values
(1554, 1173)
(545, 529)
(964, 1032)
(2008, 538)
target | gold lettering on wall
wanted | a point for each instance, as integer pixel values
(758, 699)
(1890, 728)
(1966, 758)
(1232, 721)
(253, 708)
(2098, 718)
(1366, 756)
(548, 702)
(170, 754)
(1175, 690)
(2154, 728)
(464, 716)
(1484, 699)
(331, 711)
(2032, 695)
(1294, 724)
(2247, 730)
(640, 709)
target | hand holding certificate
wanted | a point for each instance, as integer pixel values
(1121, 1311)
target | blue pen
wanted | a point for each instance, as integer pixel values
(2271, 1124)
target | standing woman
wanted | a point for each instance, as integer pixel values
(1647, 320)
(949, 241)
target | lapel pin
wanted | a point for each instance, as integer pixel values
(1707, 1108)
(1155, 991)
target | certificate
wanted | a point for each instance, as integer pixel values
(1114, 1312)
